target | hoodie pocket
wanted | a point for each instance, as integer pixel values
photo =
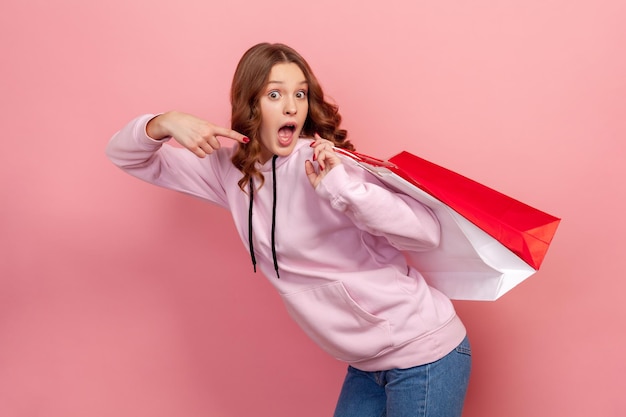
(331, 317)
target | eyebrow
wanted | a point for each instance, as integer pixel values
(282, 82)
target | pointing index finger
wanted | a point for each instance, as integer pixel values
(231, 134)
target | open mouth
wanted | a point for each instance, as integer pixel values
(286, 132)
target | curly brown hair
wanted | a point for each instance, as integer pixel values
(249, 82)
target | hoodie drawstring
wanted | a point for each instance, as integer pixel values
(274, 214)
(250, 225)
(273, 219)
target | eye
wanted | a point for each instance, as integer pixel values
(301, 94)
(273, 94)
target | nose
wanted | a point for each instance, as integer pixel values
(290, 107)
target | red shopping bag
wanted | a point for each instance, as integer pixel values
(526, 231)
(490, 241)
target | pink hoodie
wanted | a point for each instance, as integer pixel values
(343, 277)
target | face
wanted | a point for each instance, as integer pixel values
(284, 107)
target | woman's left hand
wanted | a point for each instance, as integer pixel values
(327, 159)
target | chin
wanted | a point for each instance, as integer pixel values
(284, 151)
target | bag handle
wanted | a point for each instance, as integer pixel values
(369, 160)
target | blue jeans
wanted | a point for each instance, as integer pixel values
(433, 390)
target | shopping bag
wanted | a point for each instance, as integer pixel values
(490, 242)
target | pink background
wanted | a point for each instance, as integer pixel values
(122, 299)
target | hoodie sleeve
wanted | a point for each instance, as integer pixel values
(406, 223)
(158, 163)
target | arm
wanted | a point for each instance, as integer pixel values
(134, 150)
(406, 223)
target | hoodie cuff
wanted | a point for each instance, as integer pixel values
(333, 186)
(141, 126)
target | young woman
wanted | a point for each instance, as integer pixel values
(327, 234)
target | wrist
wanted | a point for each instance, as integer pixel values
(155, 128)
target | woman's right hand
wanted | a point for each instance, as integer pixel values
(193, 133)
